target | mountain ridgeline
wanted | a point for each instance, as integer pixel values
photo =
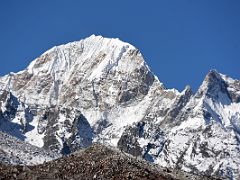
(100, 90)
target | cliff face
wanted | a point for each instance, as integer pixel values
(101, 90)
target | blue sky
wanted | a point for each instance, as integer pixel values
(180, 40)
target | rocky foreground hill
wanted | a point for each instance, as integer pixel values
(95, 162)
(100, 90)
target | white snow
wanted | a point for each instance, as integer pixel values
(143, 142)
(33, 137)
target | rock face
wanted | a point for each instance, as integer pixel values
(101, 90)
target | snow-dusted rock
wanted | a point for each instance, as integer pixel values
(14, 151)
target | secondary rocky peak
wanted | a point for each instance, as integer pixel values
(187, 90)
(213, 74)
(233, 88)
(212, 85)
(219, 87)
(213, 78)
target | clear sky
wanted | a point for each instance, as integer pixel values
(181, 40)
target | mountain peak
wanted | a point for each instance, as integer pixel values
(97, 76)
(213, 75)
(95, 38)
(102, 53)
(212, 84)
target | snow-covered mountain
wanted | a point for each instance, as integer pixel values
(78, 93)
(101, 90)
